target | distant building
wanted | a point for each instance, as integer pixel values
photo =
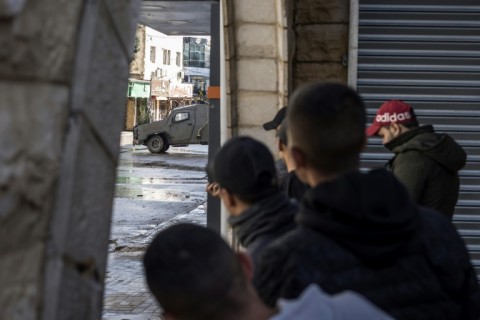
(156, 58)
(156, 55)
(196, 63)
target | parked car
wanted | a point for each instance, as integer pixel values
(183, 126)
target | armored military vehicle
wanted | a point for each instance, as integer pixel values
(183, 126)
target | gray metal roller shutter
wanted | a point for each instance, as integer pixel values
(427, 53)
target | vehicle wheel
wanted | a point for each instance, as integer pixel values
(155, 144)
(166, 147)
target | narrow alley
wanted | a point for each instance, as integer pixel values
(152, 192)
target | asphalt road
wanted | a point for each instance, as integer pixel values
(153, 191)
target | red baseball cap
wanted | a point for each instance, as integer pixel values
(393, 111)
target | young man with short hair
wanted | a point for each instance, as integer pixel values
(361, 231)
(194, 275)
(426, 162)
(259, 211)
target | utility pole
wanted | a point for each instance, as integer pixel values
(213, 203)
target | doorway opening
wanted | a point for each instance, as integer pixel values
(168, 86)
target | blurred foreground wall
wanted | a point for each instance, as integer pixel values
(63, 78)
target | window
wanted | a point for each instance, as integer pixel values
(179, 59)
(196, 52)
(152, 54)
(181, 116)
(166, 57)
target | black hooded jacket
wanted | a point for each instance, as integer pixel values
(264, 222)
(293, 186)
(427, 163)
(362, 232)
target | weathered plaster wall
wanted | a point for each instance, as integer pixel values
(320, 37)
(130, 114)
(256, 63)
(63, 78)
(137, 66)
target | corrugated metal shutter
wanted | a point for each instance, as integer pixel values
(427, 53)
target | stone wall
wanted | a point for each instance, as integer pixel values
(63, 78)
(272, 47)
(256, 63)
(320, 37)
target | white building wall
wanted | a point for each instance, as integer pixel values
(194, 71)
(161, 42)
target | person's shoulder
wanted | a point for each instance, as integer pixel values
(285, 251)
(358, 307)
(300, 236)
(286, 243)
(436, 225)
(314, 303)
(434, 221)
(295, 247)
(440, 235)
(410, 154)
(411, 158)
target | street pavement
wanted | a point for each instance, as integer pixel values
(153, 191)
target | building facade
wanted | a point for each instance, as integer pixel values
(196, 63)
(156, 58)
(156, 55)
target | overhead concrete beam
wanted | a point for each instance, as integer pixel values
(177, 18)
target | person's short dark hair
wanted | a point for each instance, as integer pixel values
(194, 274)
(327, 122)
(277, 120)
(245, 167)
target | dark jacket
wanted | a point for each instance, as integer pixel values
(264, 222)
(362, 232)
(281, 168)
(427, 163)
(293, 187)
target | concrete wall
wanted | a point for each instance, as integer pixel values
(256, 65)
(63, 78)
(320, 41)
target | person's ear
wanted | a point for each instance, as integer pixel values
(396, 129)
(246, 264)
(213, 189)
(298, 157)
(227, 198)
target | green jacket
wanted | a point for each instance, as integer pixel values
(427, 163)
